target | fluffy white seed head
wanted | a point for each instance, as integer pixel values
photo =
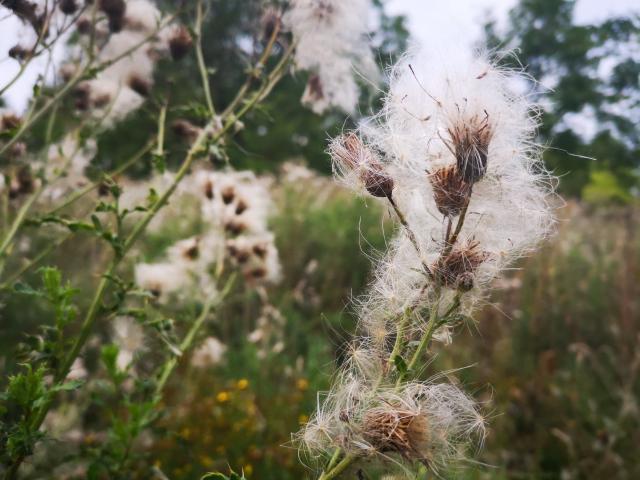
(332, 44)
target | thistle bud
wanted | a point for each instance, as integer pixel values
(180, 42)
(450, 192)
(469, 142)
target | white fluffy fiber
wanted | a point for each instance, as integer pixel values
(332, 43)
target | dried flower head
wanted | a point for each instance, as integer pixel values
(469, 142)
(185, 130)
(139, 84)
(332, 44)
(68, 7)
(180, 42)
(350, 155)
(456, 269)
(397, 430)
(9, 121)
(114, 10)
(271, 22)
(450, 191)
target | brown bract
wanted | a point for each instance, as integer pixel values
(451, 193)
(398, 430)
(457, 268)
(469, 142)
(350, 151)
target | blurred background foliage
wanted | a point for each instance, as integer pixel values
(554, 355)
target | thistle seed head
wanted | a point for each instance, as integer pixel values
(450, 191)
(398, 430)
(349, 153)
(457, 268)
(469, 142)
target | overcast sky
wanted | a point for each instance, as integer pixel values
(454, 20)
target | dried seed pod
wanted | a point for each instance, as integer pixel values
(271, 21)
(186, 130)
(180, 42)
(377, 182)
(9, 121)
(18, 52)
(469, 142)
(256, 273)
(22, 184)
(241, 207)
(397, 430)
(68, 7)
(314, 92)
(451, 193)
(350, 153)
(193, 252)
(140, 85)
(228, 194)
(260, 250)
(457, 268)
(114, 10)
(235, 228)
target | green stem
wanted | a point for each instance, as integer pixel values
(92, 186)
(202, 67)
(339, 468)
(51, 247)
(187, 341)
(399, 343)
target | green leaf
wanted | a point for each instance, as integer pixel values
(400, 364)
(24, 289)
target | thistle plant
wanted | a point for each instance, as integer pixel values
(452, 155)
(107, 75)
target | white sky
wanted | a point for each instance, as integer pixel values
(453, 20)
